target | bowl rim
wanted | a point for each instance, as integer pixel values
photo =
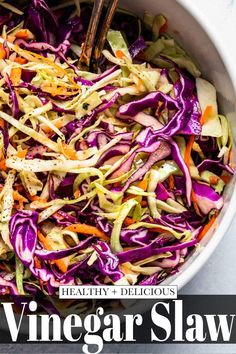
(189, 272)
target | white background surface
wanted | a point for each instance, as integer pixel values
(218, 274)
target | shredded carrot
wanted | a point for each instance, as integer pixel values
(213, 180)
(69, 152)
(3, 52)
(3, 166)
(171, 182)
(47, 130)
(59, 123)
(62, 263)
(2, 123)
(143, 184)
(41, 237)
(21, 34)
(125, 268)
(11, 38)
(195, 204)
(24, 34)
(129, 221)
(139, 85)
(37, 262)
(206, 114)
(17, 196)
(56, 90)
(187, 160)
(34, 198)
(15, 75)
(119, 54)
(77, 193)
(207, 227)
(187, 154)
(22, 153)
(88, 230)
(20, 60)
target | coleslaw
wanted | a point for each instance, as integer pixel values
(105, 178)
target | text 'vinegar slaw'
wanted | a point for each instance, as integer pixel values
(106, 178)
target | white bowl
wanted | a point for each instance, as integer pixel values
(195, 33)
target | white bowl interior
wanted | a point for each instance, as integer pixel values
(186, 29)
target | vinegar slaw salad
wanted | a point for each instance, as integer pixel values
(106, 178)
